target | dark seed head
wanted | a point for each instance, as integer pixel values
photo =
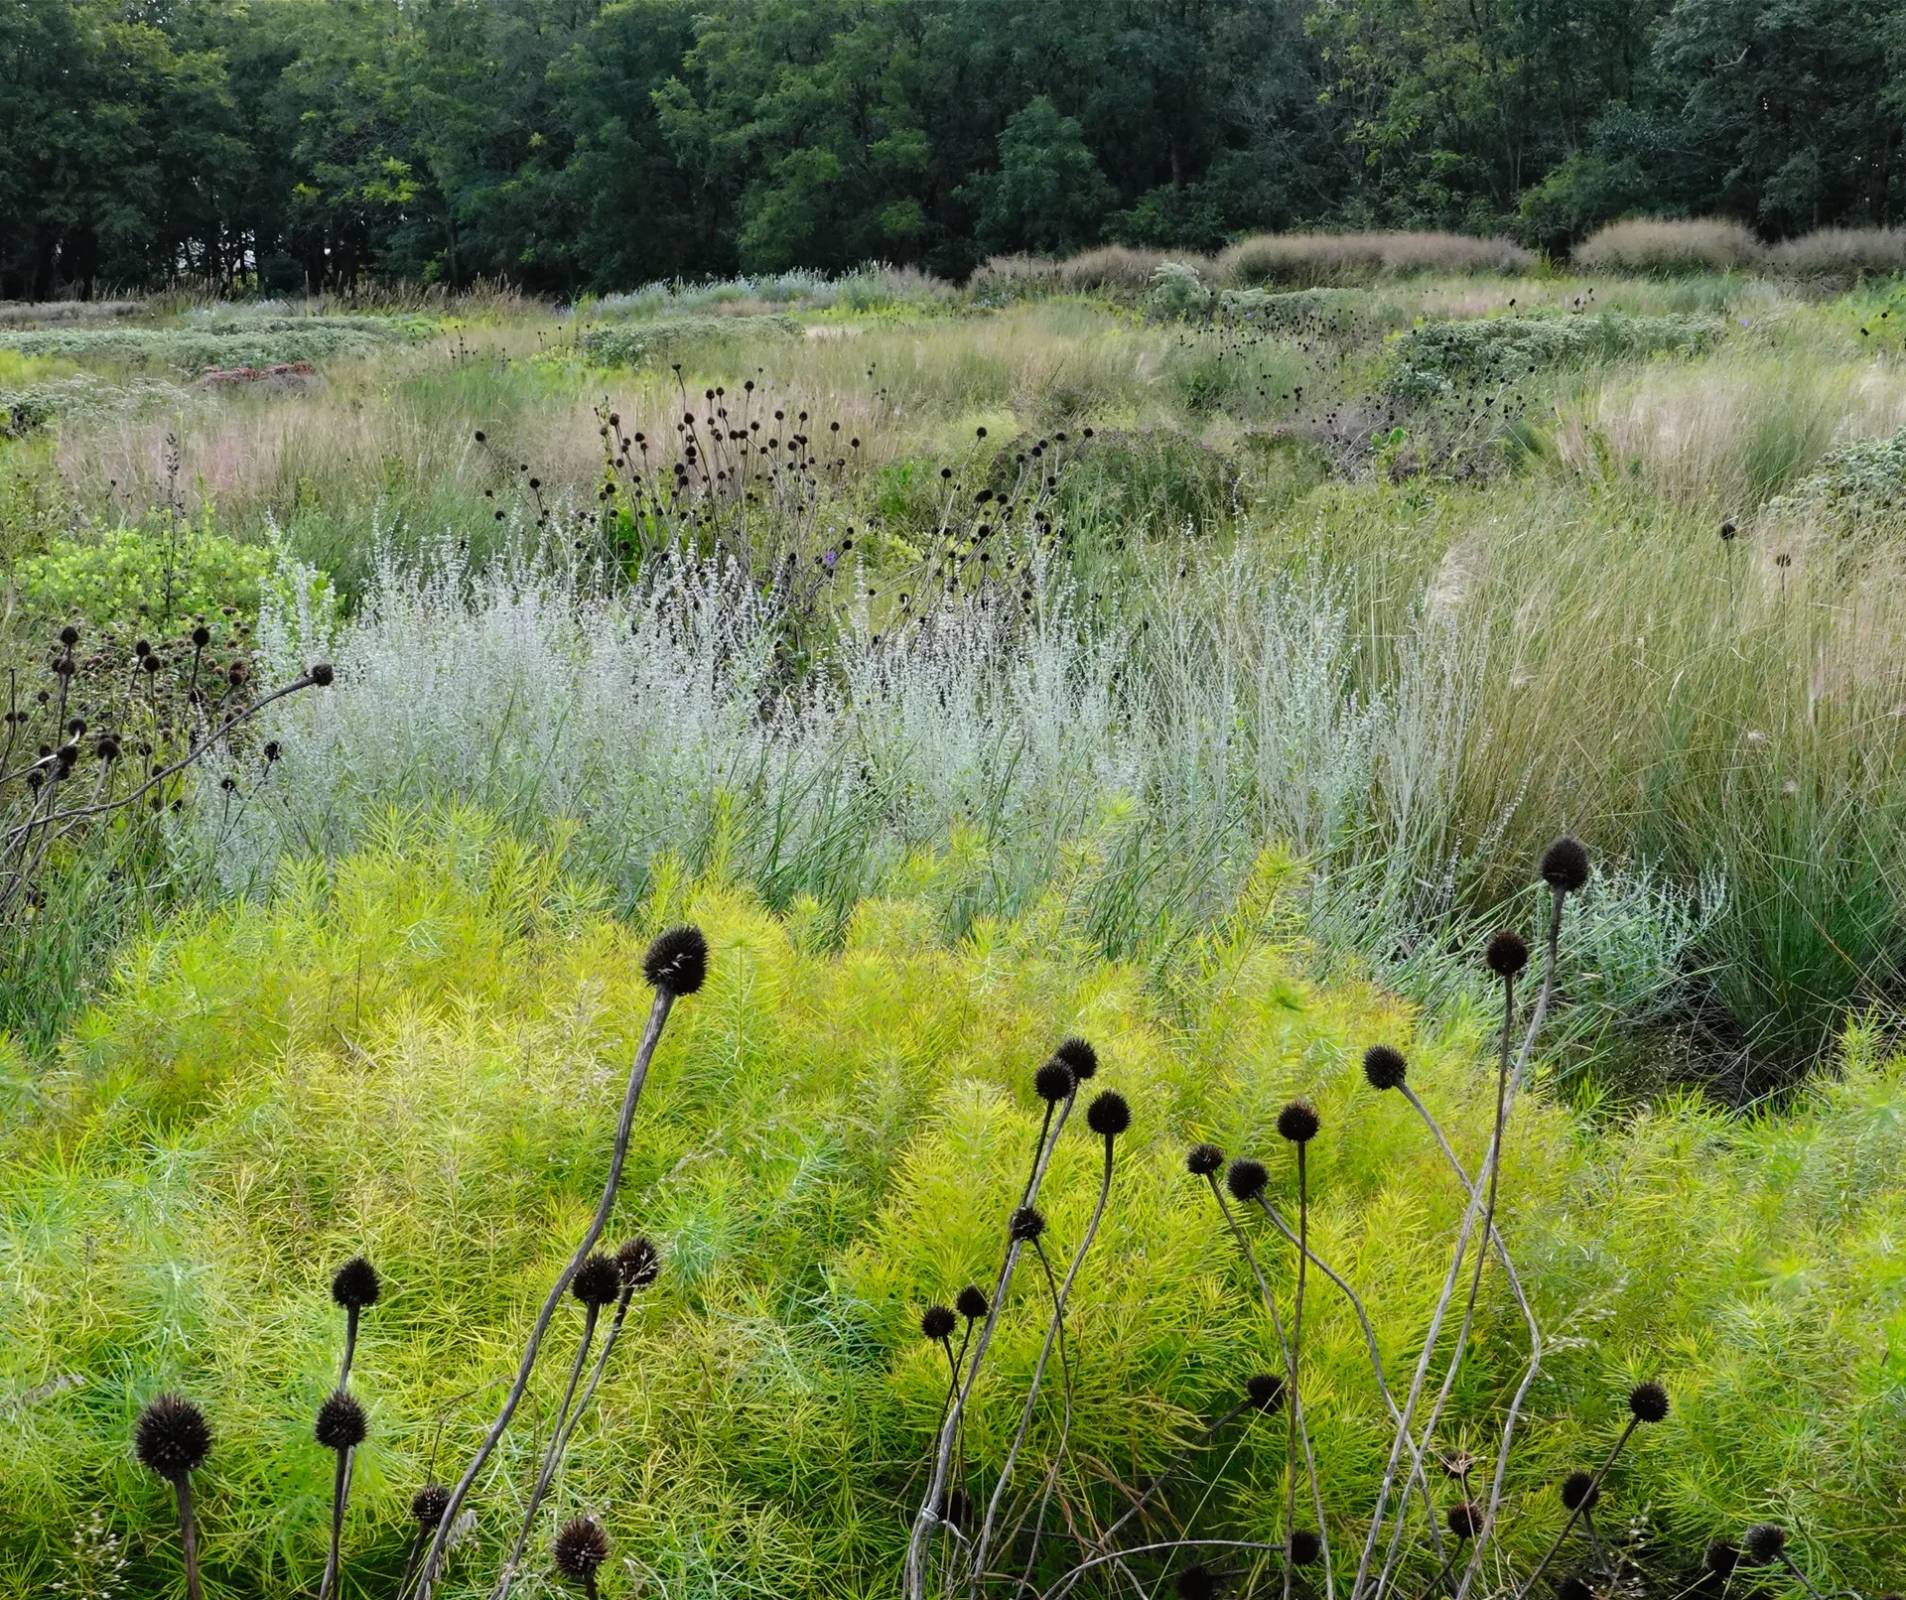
(1465, 1519)
(638, 1262)
(171, 1436)
(1648, 1402)
(1304, 1547)
(69, 636)
(581, 1546)
(1384, 1066)
(677, 961)
(1108, 1115)
(1580, 1490)
(1079, 1056)
(1196, 1582)
(1565, 865)
(971, 1303)
(1298, 1122)
(1722, 1557)
(937, 1322)
(598, 1281)
(341, 1424)
(1265, 1390)
(356, 1285)
(1027, 1224)
(428, 1504)
(322, 674)
(1201, 1160)
(1053, 1081)
(1764, 1543)
(1246, 1179)
(1573, 1588)
(1507, 954)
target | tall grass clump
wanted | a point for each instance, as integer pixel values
(1663, 246)
(1314, 260)
(1841, 256)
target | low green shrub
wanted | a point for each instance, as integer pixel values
(677, 338)
(416, 1053)
(1432, 359)
(1856, 487)
(220, 342)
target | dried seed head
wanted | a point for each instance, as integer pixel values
(1384, 1067)
(1507, 953)
(69, 636)
(598, 1281)
(1246, 1179)
(322, 673)
(1304, 1547)
(1465, 1519)
(356, 1285)
(1108, 1115)
(1079, 1056)
(341, 1423)
(1265, 1390)
(1201, 1160)
(171, 1436)
(1722, 1557)
(1027, 1224)
(1565, 865)
(937, 1323)
(971, 1302)
(1580, 1491)
(1573, 1588)
(581, 1546)
(1196, 1582)
(1764, 1543)
(638, 1262)
(1648, 1402)
(1053, 1081)
(677, 961)
(428, 1504)
(1298, 1122)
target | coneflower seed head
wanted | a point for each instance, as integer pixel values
(428, 1504)
(341, 1423)
(356, 1285)
(1108, 1115)
(1722, 1558)
(1201, 1160)
(1764, 1543)
(1246, 1179)
(598, 1281)
(1304, 1547)
(1507, 954)
(1565, 865)
(1384, 1066)
(1053, 1081)
(1298, 1122)
(171, 1436)
(1648, 1402)
(937, 1323)
(1465, 1519)
(1196, 1582)
(1027, 1224)
(581, 1546)
(1079, 1056)
(1265, 1390)
(1579, 1490)
(677, 961)
(639, 1262)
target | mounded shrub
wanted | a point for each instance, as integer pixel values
(1841, 255)
(635, 344)
(1431, 359)
(1665, 246)
(1310, 260)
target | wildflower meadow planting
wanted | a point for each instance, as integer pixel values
(1136, 910)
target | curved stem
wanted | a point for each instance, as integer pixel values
(558, 1437)
(1574, 1516)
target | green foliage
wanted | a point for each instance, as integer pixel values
(1432, 359)
(678, 339)
(246, 342)
(127, 576)
(416, 1053)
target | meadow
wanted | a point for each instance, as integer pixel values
(1194, 655)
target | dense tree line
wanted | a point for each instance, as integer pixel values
(572, 144)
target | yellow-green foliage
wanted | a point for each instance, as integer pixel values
(418, 1052)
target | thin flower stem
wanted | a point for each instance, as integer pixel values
(1574, 1516)
(558, 1437)
(188, 1535)
(340, 1492)
(1297, 1356)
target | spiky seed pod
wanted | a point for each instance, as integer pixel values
(971, 1302)
(598, 1281)
(1648, 1402)
(1246, 1179)
(1108, 1115)
(341, 1423)
(171, 1436)
(1573, 1588)
(1304, 1547)
(677, 961)
(1053, 1081)
(1265, 1390)
(1465, 1519)
(1027, 1224)
(1565, 865)
(1507, 954)
(428, 1503)
(69, 636)
(1580, 1491)
(1764, 1543)
(1384, 1067)
(937, 1323)
(1079, 1056)
(1196, 1582)
(356, 1285)
(1201, 1160)
(638, 1261)
(1298, 1122)
(1722, 1558)
(322, 673)
(581, 1546)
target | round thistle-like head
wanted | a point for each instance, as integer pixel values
(1384, 1067)
(1764, 1543)
(356, 1285)
(638, 1261)
(1565, 865)
(1580, 1491)
(1079, 1056)
(323, 674)
(1109, 1114)
(1648, 1402)
(1028, 1222)
(1246, 1179)
(1202, 1160)
(1722, 1557)
(677, 961)
(971, 1302)
(428, 1505)
(341, 1423)
(1298, 1122)
(581, 1546)
(598, 1281)
(938, 1323)
(171, 1436)
(1053, 1081)
(1573, 1588)
(1265, 1390)
(1196, 1582)
(1507, 953)
(1303, 1547)
(1465, 1519)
